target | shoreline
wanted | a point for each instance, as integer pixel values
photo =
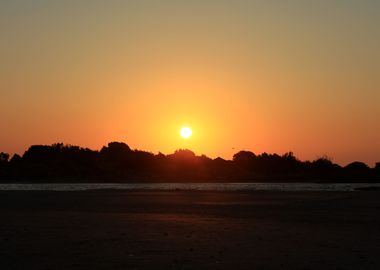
(217, 187)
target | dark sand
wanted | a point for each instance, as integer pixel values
(189, 230)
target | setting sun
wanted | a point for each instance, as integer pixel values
(185, 132)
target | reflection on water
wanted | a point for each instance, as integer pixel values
(194, 186)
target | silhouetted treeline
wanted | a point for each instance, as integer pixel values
(118, 163)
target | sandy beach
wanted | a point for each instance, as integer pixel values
(189, 230)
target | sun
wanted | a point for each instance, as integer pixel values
(185, 132)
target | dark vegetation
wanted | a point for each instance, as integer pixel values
(118, 163)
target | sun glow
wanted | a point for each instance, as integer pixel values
(186, 132)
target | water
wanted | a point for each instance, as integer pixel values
(192, 186)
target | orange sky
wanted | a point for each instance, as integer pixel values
(255, 75)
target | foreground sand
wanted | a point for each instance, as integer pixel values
(189, 230)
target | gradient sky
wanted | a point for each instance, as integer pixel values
(274, 76)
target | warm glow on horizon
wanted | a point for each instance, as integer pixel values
(186, 132)
(266, 76)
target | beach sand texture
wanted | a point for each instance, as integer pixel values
(189, 230)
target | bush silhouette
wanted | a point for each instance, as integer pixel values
(118, 162)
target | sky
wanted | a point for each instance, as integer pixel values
(265, 76)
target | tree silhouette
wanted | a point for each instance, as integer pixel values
(118, 162)
(377, 168)
(4, 157)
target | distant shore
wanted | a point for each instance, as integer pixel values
(189, 230)
(194, 186)
(152, 179)
(117, 161)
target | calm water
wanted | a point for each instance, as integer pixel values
(192, 186)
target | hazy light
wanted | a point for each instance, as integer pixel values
(185, 132)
